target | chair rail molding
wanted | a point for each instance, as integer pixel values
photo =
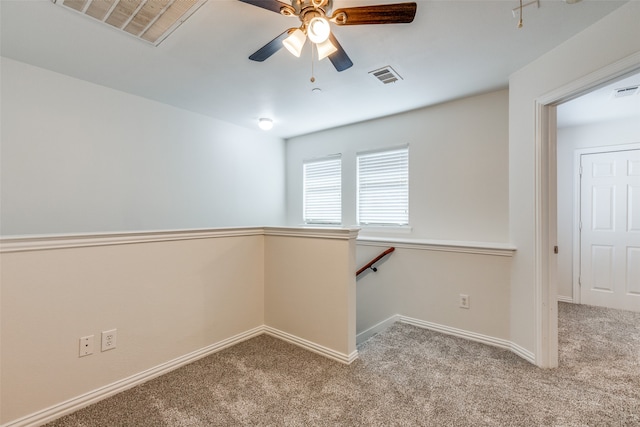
(64, 241)
(479, 248)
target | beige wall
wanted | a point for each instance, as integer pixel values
(310, 290)
(422, 282)
(172, 296)
(434, 280)
(166, 299)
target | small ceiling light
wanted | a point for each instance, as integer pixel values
(265, 124)
(325, 49)
(318, 30)
(295, 42)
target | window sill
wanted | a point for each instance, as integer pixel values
(401, 229)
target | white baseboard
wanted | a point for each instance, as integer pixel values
(565, 299)
(56, 411)
(49, 414)
(524, 353)
(376, 329)
(473, 336)
(311, 346)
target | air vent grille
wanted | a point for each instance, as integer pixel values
(625, 91)
(386, 75)
(149, 20)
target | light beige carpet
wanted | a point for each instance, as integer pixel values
(406, 376)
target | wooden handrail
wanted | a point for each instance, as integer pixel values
(373, 261)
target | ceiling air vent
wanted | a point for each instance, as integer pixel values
(625, 91)
(149, 20)
(386, 75)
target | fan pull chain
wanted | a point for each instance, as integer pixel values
(312, 79)
(520, 21)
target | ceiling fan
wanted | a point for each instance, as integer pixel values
(316, 16)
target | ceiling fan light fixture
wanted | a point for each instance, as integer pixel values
(317, 17)
(318, 30)
(295, 42)
(265, 123)
(325, 49)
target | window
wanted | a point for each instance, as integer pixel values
(322, 183)
(383, 187)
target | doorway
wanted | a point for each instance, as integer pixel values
(546, 209)
(606, 119)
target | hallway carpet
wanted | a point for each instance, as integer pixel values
(405, 376)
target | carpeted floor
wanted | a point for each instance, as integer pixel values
(406, 376)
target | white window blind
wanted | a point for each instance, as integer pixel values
(383, 187)
(323, 191)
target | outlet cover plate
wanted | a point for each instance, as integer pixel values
(109, 339)
(464, 301)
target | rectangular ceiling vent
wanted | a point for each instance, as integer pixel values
(625, 91)
(149, 20)
(386, 75)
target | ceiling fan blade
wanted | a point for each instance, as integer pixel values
(339, 59)
(272, 5)
(400, 13)
(270, 48)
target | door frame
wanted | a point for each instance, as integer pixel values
(546, 217)
(577, 205)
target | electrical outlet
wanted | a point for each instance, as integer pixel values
(86, 345)
(109, 339)
(464, 301)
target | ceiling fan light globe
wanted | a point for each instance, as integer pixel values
(295, 42)
(318, 30)
(325, 49)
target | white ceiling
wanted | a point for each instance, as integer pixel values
(451, 50)
(601, 105)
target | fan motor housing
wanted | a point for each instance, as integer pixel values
(304, 6)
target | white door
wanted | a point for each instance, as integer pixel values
(610, 230)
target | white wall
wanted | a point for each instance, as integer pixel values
(78, 157)
(570, 139)
(615, 37)
(458, 171)
(458, 192)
